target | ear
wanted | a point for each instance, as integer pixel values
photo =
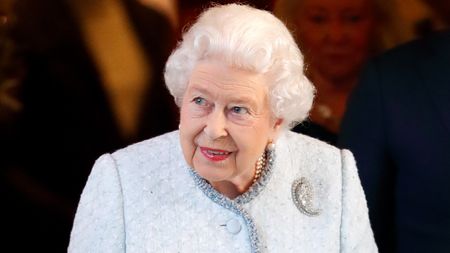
(277, 126)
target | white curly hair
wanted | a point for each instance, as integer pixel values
(250, 39)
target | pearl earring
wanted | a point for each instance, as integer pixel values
(270, 146)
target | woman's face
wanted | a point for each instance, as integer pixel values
(335, 36)
(226, 122)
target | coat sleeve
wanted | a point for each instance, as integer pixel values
(99, 220)
(356, 231)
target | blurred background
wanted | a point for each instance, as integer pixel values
(79, 78)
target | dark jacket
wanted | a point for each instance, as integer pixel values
(398, 127)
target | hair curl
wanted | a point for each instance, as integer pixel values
(250, 39)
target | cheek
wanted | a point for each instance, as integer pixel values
(185, 113)
(189, 130)
(362, 35)
(248, 154)
(190, 118)
(187, 145)
(253, 140)
(311, 42)
(360, 43)
(310, 36)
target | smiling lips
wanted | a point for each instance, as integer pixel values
(215, 155)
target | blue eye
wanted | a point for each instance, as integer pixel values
(199, 101)
(239, 110)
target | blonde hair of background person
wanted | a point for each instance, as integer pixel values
(233, 178)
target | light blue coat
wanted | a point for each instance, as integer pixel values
(145, 198)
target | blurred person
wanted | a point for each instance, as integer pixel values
(233, 178)
(91, 83)
(337, 38)
(398, 126)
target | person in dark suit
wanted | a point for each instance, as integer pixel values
(67, 119)
(398, 126)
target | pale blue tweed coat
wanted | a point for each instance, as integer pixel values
(145, 198)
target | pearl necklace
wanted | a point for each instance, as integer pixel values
(262, 161)
(260, 164)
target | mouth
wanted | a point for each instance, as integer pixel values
(215, 155)
(337, 56)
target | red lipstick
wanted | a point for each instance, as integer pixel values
(215, 155)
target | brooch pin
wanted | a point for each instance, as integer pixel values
(302, 195)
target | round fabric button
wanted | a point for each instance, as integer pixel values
(233, 226)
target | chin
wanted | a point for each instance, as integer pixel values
(339, 74)
(211, 171)
(210, 175)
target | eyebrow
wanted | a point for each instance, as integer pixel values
(238, 99)
(245, 100)
(198, 88)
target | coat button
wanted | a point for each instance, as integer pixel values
(233, 226)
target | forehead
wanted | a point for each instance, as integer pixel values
(214, 77)
(337, 5)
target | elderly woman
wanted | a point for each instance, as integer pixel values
(233, 178)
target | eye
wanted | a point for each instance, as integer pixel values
(317, 18)
(353, 18)
(199, 101)
(239, 110)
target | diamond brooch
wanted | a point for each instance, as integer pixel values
(302, 195)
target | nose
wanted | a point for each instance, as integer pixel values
(336, 32)
(215, 127)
